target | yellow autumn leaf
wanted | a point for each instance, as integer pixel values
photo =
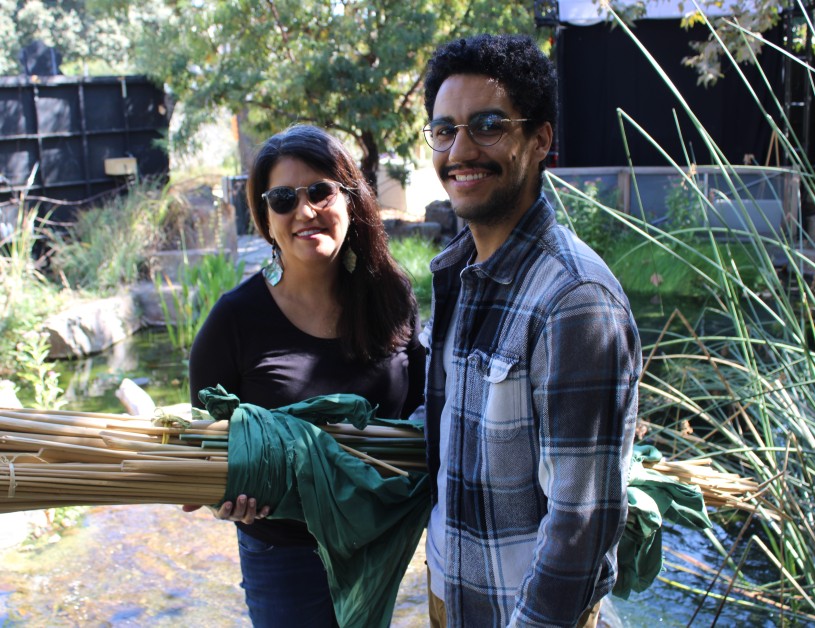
(691, 19)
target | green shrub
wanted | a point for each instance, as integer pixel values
(108, 246)
(36, 372)
(414, 254)
(199, 288)
(586, 211)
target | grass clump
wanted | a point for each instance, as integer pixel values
(108, 246)
(414, 254)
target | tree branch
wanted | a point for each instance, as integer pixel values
(405, 100)
(283, 34)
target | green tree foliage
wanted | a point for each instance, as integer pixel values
(352, 66)
(88, 39)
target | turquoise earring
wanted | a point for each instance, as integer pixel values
(349, 259)
(273, 271)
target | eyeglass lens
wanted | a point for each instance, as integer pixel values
(485, 129)
(283, 199)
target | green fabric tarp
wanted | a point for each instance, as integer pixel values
(367, 527)
(652, 498)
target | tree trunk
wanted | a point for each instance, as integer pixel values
(370, 162)
(246, 146)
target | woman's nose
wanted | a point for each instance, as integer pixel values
(304, 207)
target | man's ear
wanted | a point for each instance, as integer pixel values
(543, 140)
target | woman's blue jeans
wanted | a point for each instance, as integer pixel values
(284, 586)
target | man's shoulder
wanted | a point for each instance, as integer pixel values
(560, 245)
(560, 265)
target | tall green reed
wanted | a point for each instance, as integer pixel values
(733, 383)
(190, 301)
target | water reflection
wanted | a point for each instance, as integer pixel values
(156, 566)
(129, 566)
(147, 357)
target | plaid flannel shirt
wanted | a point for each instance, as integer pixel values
(546, 360)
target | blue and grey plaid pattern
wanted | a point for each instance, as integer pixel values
(546, 359)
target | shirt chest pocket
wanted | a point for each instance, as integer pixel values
(497, 398)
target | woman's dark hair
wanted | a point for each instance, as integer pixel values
(378, 306)
(514, 60)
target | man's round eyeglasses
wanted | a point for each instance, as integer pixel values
(483, 129)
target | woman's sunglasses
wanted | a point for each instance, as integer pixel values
(283, 199)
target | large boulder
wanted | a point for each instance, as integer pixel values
(90, 327)
(441, 212)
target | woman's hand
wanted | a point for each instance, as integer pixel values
(244, 509)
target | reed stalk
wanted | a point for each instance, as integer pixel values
(734, 383)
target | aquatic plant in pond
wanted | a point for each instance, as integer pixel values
(199, 287)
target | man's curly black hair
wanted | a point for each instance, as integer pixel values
(514, 60)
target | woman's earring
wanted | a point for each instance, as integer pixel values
(349, 259)
(273, 271)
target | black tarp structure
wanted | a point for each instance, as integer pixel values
(601, 69)
(68, 127)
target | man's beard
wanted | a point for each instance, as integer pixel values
(493, 210)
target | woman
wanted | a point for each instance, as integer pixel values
(332, 312)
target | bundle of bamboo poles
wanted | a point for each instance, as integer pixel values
(51, 458)
(60, 458)
(720, 489)
(57, 458)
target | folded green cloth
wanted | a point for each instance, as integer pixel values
(652, 499)
(367, 527)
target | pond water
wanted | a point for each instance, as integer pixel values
(157, 566)
(147, 357)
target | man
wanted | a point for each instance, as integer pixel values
(533, 364)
